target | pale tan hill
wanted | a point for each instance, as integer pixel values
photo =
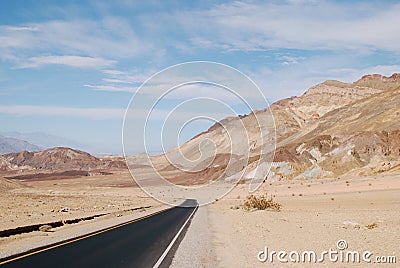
(363, 133)
(239, 137)
(293, 114)
(380, 112)
(332, 129)
(379, 81)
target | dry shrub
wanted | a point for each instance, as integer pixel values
(262, 202)
(372, 225)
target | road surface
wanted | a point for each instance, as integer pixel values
(149, 242)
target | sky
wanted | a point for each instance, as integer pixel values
(71, 68)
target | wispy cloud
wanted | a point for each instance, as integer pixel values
(73, 61)
(121, 81)
(129, 77)
(111, 88)
(296, 25)
(290, 60)
(98, 113)
(50, 111)
(113, 72)
(96, 40)
(183, 82)
(11, 28)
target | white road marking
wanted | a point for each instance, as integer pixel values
(160, 260)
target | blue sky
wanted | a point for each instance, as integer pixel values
(70, 68)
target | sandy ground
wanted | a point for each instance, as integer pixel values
(315, 215)
(46, 201)
(43, 201)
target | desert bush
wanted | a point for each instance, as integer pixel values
(262, 202)
(372, 225)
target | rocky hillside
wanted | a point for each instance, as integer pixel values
(333, 129)
(59, 158)
(361, 137)
(5, 165)
(11, 145)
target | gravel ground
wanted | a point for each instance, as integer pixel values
(196, 249)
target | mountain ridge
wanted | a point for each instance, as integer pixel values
(11, 145)
(345, 115)
(333, 129)
(43, 140)
(56, 159)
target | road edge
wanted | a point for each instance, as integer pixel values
(80, 234)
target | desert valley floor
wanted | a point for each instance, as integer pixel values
(364, 211)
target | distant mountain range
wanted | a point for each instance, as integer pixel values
(11, 145)
(43, 140)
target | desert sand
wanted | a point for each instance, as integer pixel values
(95, 202)
(315, 215)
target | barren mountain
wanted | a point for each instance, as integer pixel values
(59, 158)
(332, 129)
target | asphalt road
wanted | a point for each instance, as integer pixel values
(142, 243)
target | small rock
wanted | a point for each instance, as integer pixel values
(351, 224)
(119, 215)
(45, 228)
(64, 210)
